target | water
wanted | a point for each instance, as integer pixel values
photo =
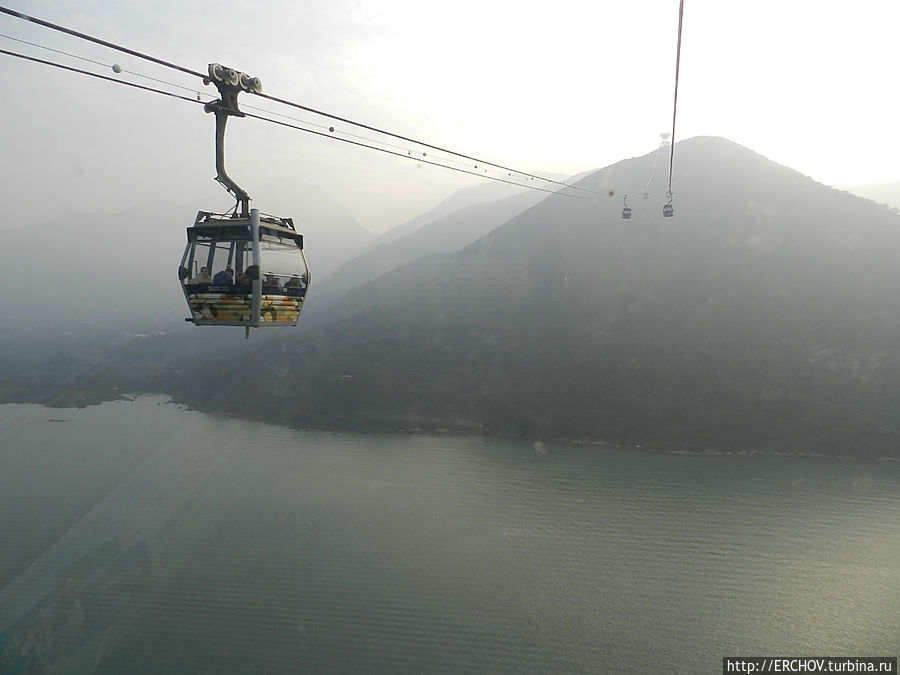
(141, 537)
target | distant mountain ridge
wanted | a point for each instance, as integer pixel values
(883, 193)
(457, 221)
(445, 234)
(764, 316)
(488, 191)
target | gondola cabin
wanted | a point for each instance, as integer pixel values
(244, 271)
(668, 209)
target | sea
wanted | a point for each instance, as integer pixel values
(138, 536)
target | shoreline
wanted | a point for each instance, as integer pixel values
(444, 430)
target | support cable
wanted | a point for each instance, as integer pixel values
(203, 76)
(116, 68)
(418, 159)
(97, 75)
(675, 103)
(119, 69)
(422, 143)
(288, 125)
(89, 38)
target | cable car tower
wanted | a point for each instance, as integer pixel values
(244, 268)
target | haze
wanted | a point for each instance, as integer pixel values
(560, 88)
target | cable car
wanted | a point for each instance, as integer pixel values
(668, 209)
(249, 272)
(243, 268)
(626, 211)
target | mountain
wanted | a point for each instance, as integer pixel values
(445, 234)
(883, 193)
(487, 191)
(763, 316)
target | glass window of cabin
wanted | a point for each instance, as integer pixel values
(280, 260)
(217, 255)
(205, 254)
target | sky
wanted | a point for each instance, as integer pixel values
(548, 88)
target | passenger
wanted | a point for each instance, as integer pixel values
(243, 279)
(272, 280)
(225, 277)
(201, 278)
(294, 282)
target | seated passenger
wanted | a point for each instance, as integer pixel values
(225, 277)
(243, 279)
(272, 280)
(201, 278)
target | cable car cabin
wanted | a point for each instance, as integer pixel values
(668, 210)
(249, 272)
(626, 210)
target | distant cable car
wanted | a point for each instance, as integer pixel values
(241, 269)
(626, 211)
(668, 209)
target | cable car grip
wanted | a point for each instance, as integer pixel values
(230, 83)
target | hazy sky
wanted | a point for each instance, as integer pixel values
(559, 87)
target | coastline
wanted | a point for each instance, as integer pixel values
(83, 399)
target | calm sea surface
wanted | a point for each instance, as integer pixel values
(140, 537)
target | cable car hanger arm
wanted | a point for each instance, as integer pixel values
(230, 83)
